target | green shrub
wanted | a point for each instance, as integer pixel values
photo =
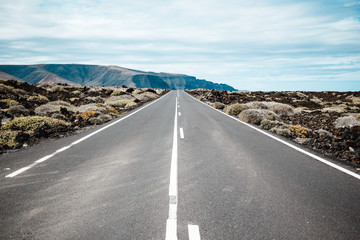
(7, 139)
(32, 122)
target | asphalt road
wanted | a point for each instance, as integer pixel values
(217, 179)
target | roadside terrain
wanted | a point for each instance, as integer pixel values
(174, 169)
(33, 113)
(325, 121)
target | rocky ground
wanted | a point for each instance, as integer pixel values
(325, 121)
(32, 113)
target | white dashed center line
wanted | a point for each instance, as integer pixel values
(194, 232)
(181, 133)
(171, 223)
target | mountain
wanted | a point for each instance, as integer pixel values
(97, 75)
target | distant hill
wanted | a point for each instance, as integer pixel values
(96, 75)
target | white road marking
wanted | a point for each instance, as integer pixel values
(179, 114)
(171, 229)
(194, 232)
(63, 149)
(181, 133)
(344, 170)
(171, 223)
(44, 158)
(21, 170)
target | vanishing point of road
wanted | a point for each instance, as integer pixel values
(175, 169)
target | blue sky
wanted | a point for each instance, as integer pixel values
(251, 45)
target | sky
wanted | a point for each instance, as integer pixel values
(307, 45)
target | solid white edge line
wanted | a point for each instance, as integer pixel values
(21, 170)
(181, 133)
(44, 158)
(171, 223)
(63, 149)
(344, 170)
(194, 232)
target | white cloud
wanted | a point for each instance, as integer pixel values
(347, 24)
(213, 39)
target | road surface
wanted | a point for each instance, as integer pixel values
(176, 169)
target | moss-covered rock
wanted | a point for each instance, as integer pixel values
(32, 122)
(7, 139)
(6, 103)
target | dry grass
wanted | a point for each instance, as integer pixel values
(91, 107)
(218, 105)
(341, 108)
(255, 116)
(117, 93)
(269, 124)
(39, 98)
(281, 109)
(118, 103)
(256, 105)
(235, 109)
(355, 100)
(347, 121)
(112, 110)
(146, 96)
(86, 114)
(9, 102)
(298, 131)
(6, 88)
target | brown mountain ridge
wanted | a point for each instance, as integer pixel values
(98, 75)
